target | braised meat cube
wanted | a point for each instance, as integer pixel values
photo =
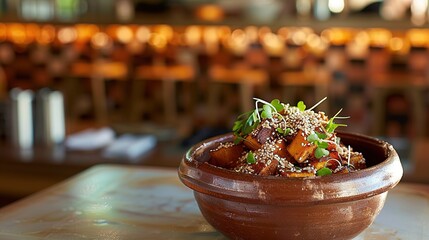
(254, 141)
(270, 168)
(226, 156)
(281, 148)
(299, 149)
(266, 169)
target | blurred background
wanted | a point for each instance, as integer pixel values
(138, 82)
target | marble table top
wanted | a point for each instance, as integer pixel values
(129, 202)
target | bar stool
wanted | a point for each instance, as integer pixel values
(169, 75)
(103, 71)
(412, 88)
(98, 72)
(246, 79)
(317, 79)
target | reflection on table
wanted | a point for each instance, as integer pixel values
(121, 202)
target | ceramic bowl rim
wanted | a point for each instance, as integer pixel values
(223, 183)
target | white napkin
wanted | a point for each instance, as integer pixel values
(90, 139)
(130, 146)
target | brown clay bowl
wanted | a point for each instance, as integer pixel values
(244, 206)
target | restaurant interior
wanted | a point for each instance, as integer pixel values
(137, 82)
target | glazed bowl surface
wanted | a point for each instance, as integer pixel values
(338, 206)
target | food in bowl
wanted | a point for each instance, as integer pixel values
(282, 140)
(250, 206)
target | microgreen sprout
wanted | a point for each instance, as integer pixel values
(248, 121)
(284, 132)
(324, 171)
(320, 152)
(331, 125)
(301, 106)
(277, 105)
(317, 104)
(250, 158)
(245, 124)
(268, 108)
(317, 139)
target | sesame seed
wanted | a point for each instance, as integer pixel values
(293, 120)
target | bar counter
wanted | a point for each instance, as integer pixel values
(23, 172)
(111, 201)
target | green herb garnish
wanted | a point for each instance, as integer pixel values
(317, 139)
(248, 121)
(301, 106)
(320, 152)
(245, 124)
(277, 105)
(284, 132)
(266, 112)
(331, 125)
(324, 171)
(238, 139)
(250, 157)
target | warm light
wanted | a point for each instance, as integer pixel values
(211, 39)
(358, 48)
(177, 39)
(143, 34)
(158, 41)
(86, 31)
(210, 35)
(192, 35)
(135, 47)
(47, 34)
(336, 6)
(16, 33)
(263, 31)
(316, 44)
(111, 30)
(337, 36)
(396, 44)
(67, 35)
(124, 34)
(418, 37)
(252, 33)
(239, 35)
(210, 12)
(283, 33)
(237, 42)
(298, 37)
(100, 40)
(379, 37)
(32, 31)
(223, 32)
(3, 31)
(314, 41)
(273, 45)
(362, 37)
(164, 30)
